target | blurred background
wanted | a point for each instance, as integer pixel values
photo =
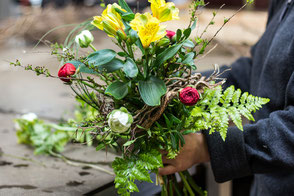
(24, 22)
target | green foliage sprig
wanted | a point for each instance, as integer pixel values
(215, 109)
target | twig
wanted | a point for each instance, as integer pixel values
(207, 53)
(226, 23)
(81, 164)
(23, 158)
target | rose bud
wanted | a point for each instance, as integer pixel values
(67, 70)
(170, 34)
(120, 120)
(189, 96)
(84, 39)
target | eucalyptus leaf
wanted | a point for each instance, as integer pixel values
(151, 90)
(101, 57)
(130, 68)
(117, 89)
(167, 54)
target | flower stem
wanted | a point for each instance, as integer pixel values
(164, 188)
(92, 87)
(130, 50)
(186, 184)
(193, 184)
(91, 45)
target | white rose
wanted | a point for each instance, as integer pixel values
(84, 39)
(120, 120)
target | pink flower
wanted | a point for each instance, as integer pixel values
(189, 96)
(170, 34)
(67, 70)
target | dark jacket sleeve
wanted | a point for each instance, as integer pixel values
(267, 146)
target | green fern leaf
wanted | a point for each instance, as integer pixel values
(246, 113)
(236, 97)
(216, 95)
(227, 96)
(236, 117)
(243, 98)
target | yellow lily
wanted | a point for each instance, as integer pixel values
(148, 28)
(110, 20)
(164, 11)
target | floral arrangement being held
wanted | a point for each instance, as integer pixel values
(148, 95)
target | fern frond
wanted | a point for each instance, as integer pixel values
(136, 167)
(227, 96)
(236, 117)
(236, 97)
(214, 109)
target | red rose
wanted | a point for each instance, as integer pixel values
(170, 34)
(189, 96)
(65, 71)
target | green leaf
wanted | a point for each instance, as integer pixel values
(129, 142)
(187, 32)
(100, 147)
(243, 98)
(101, 57)
(188, 132)
(236, 117)
(173, 141)
(133, 35)
(130, 68)
(111, 66)
(125, 6)
(128, 16)
(189, 59)
(194, 24)
(167, 54)
(188, 43)
(178, 35)
(117, 89)
(83, 67)
(122, 54)
(167, 121)
(228, 95)
(250, 1)
(236, 97)
(151, 90)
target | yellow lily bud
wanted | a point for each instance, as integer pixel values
(110, 21)
(164, 11)
(148, 28)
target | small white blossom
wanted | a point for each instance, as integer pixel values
(120, 120)
(29, 117)
(84, 39)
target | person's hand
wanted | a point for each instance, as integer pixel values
(194, 151)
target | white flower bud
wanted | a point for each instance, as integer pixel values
(84, 39)
(120, 120)
(29, 117)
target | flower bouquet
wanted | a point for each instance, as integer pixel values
(148, 95)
